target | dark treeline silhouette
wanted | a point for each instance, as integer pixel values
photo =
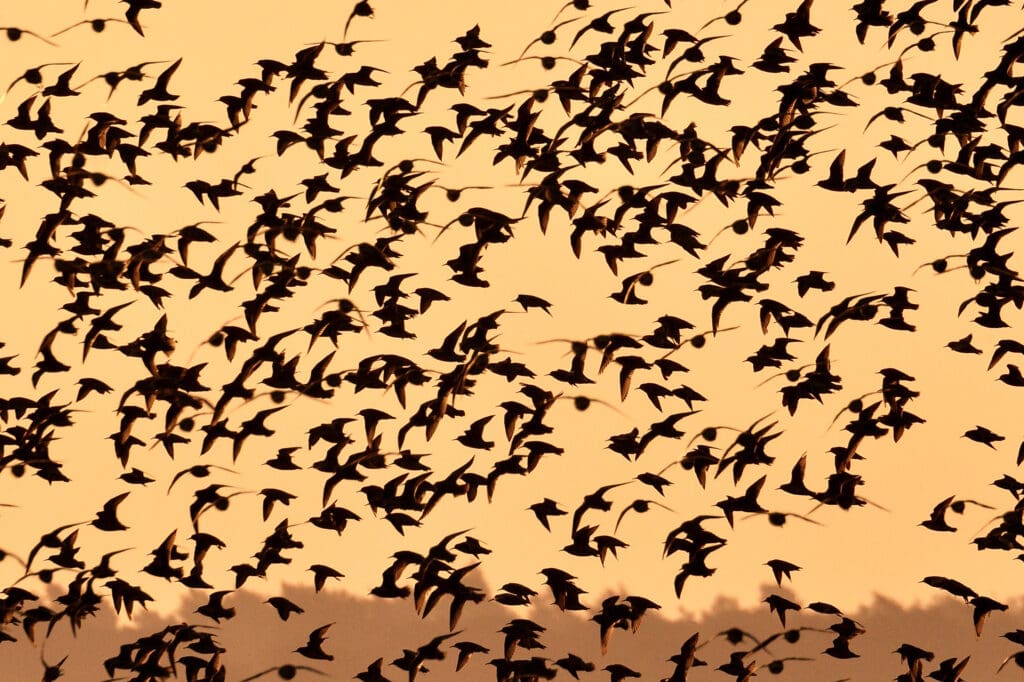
(366, 629)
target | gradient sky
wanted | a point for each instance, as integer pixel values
(847, 557)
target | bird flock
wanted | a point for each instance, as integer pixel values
(482, 267)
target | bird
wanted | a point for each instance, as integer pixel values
(594, 501)
(106, 519)
(545, 509)
(746, 503)
(214, 607)
(14, 34)
(313, 648)
(284, 607)
(640, 506)
(780, 568)
(98, 25)
(135, 8)
(937, 519)
(954, 587)
(287, 671)
(528, 301)
(618, 672)
(780, 605)
(983, 435)
(467, 649)
(159, 92)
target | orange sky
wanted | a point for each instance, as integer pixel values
(847, 557)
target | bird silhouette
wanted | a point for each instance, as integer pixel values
(313, 648)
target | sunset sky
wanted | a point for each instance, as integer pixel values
(856, 559)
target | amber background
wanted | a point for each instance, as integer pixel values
(869, 561)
